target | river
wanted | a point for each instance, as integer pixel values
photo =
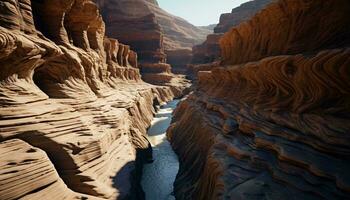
(159, 176)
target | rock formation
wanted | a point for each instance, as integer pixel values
(272, 121)
(209, 51)
(178, 33)
(240, 14)
(25, 169)
(73, 109)
(147, 28)
(179, 59)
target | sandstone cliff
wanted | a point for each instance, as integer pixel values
(209, 51)
(73, 109)
(146, 28)
(178, 33)
(240, 14)
(273, 121)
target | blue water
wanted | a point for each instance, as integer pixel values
(159, 176)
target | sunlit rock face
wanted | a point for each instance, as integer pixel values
(73, 108)
(178, 33)
(271, 122)
(209, 51)
(150, 31)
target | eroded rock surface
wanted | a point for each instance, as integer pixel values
(178, 33)
(27, 173)
(240, 14)
(76, 95)
(179, 60)
(150, 31)
(272, 122)
(209, 51)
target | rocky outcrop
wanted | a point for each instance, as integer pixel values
(178, 33)
(179, 59)
(272, 122)
(240, 14)
(29, 174)
(314, 29)
(194, 69)
(209, 51)
(145, 29)
(73, 109)
(155, 34)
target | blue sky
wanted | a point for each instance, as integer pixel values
(200, 12)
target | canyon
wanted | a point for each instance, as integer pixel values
(74, 110)
(84, 87)
(157, 36)
(271, 119)
(209, 51)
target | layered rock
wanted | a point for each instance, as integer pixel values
(272, 122)
(179, 60)
(209, 51)
(240, 14)
(29, 174)
(145, 29)
(178, 33)
(314, 29)
(74, 94)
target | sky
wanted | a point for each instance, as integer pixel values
(200, 12)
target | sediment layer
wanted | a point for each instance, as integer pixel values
(272, 122)
(71, 100)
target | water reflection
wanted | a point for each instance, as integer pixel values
(159, 176)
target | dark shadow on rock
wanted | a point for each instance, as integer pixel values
(128, 180)
(61, 159)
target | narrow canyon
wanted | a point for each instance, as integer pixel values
(119, 99)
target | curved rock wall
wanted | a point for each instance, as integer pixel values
(275, 128)
(142, 30)
(240, 14)
(29, 174)
(295, 26)
(210, 50)
(69, 91)
(178, 33)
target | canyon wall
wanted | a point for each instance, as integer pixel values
(73, 108)
(272, 121)
(209, 51)
(178, 33)
(146, 28)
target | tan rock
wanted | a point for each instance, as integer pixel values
(75, 94)
(148, 29)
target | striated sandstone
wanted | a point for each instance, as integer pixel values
(27, 173)
(207, 52)
(178, 33)
(210, 50)
(142, 28)
(179, 59)
(240, 14)
(76, 95)
(273, 122)
(316, 27)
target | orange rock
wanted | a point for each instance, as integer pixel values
(271, 122)
(75, 94)
(210, 51)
